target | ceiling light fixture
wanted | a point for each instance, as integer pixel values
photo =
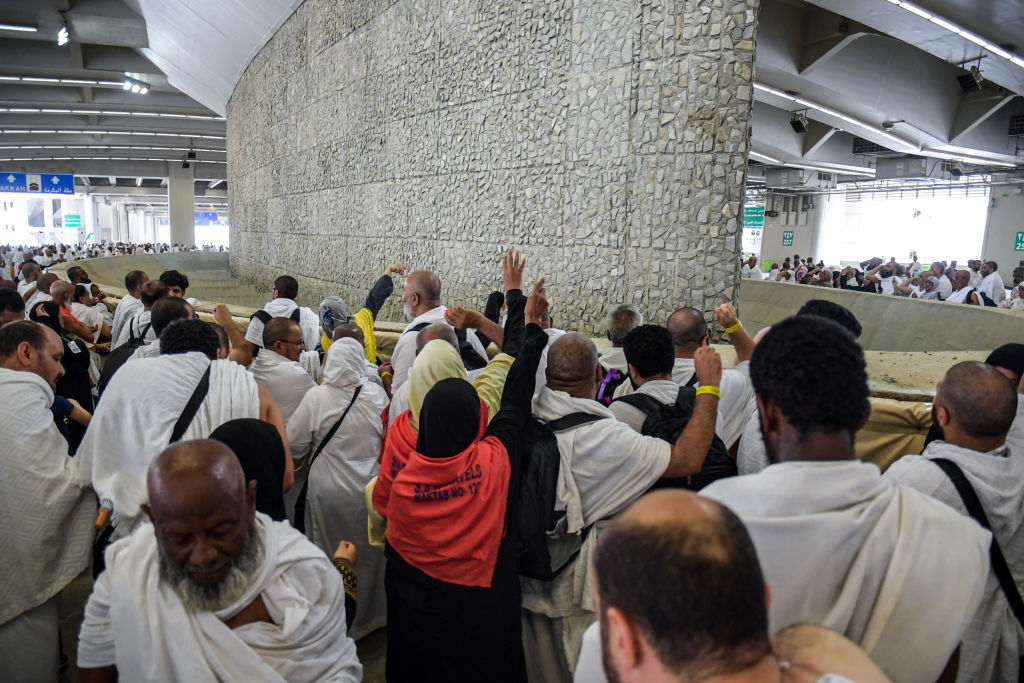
(960, 31)
(18, 27)
(977, 161)
(63, 37)
(909, 146)
(137, 87)
(763, 158)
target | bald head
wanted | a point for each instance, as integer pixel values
(61, 292)
(426, 284)
(573, 365)
(980, 401)
(283, 336)
(680, 571)
(436, 331)
(688, 329)
(46, 281)
(421, 292)
(349, 330)
(172, 475)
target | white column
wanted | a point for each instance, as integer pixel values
(89, 219)
(181, 203)
(123, 234)
(47, 216)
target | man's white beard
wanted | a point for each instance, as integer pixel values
(220, 595)
(407, 309)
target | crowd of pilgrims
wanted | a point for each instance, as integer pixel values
(979, 284)
(509, 503)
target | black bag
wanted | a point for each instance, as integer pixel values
(119, 356)
(998, 561)
(543, 545)
(667, 422)
(470, 357)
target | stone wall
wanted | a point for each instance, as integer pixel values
(606, 138)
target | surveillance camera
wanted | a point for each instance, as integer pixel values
(192, 154)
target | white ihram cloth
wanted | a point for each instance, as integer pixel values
(126, 307)
(47, 536)
(309, 322)
(136, 621)
(605, 466)
(134, 420)
(994, 286)
(89, 315)
(994, 641)
(893, 570)
(336, 504)
(961, 295)
(285, 379)
(732, 406)
(615, 358)
(405, 348)
(976, 279)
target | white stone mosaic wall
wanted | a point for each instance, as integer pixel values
(606, 138)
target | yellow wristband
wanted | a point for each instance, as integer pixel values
(709, 389)
(732, 329)
(387, 374)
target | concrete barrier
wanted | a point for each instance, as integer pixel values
(891, 323)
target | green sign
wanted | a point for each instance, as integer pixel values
(72, 220)
(787, 238)
(753, 216)
(1018, 245)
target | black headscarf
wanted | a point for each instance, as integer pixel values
(449, 419)
(47, 313)
(1009, 356)
(259, 449)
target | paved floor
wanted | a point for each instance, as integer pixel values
(372, 651)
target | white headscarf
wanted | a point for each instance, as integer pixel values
(344, 364)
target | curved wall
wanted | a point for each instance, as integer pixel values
(607, 138)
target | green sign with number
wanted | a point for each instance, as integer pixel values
(72, 220)
(1018, 244)
(787, 238)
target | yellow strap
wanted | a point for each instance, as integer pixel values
(709, 389)
(732, 329)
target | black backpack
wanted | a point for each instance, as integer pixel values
(667, 422)
(119, 356)
(265, 317)
(470, 357)
(543, 545)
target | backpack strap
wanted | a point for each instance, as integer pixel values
(145, 331)
(693, 380)
(262, 316)
(975, 510)
(571, 421)
(300, 504)
(642, 402)
(192, 407)
(416, 328)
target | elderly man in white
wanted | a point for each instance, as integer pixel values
(213, 590)
(339, 423)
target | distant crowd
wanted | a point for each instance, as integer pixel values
(12, 257)
(979, 284)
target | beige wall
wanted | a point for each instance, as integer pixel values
(890, 323)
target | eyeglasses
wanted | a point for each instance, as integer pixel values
(301, 342)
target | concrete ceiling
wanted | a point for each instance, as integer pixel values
(868, 69)
(875, 70)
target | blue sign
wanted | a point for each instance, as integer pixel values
(51, 183)
(206, 218)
